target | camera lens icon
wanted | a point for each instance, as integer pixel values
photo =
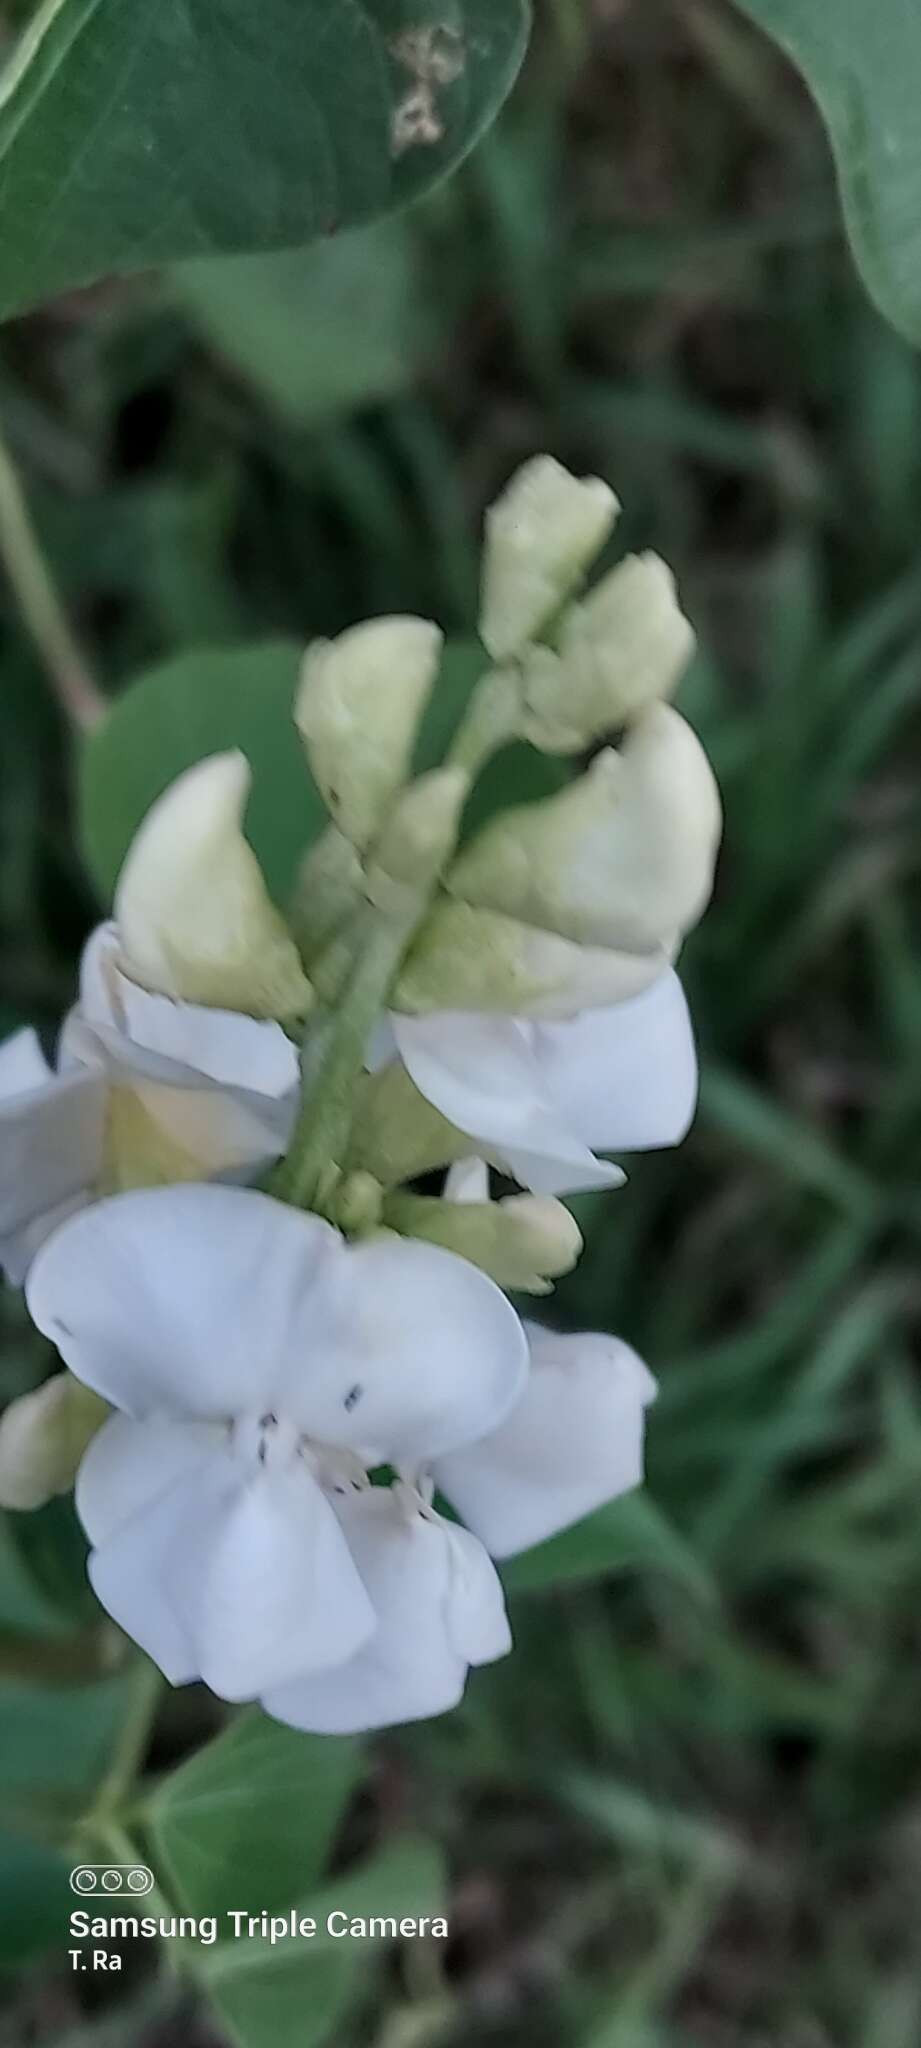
(92, 1878)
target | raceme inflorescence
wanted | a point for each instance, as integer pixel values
(271, 1198)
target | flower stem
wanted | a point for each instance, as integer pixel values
(492, 720)
(333, 1061)
(131, 1748)
(71, 680)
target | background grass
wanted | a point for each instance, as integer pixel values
(687, 1812)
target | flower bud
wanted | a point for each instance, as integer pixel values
(330, 886)
(358, 1202)
(195, 919)
(419, 837)
(471, 959)
(43, 1436)
(358, 710)
(623, 858)
(397, 1134)
(541, 536)
(621, 649)
(523, 1243)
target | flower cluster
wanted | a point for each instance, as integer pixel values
(302, 1415)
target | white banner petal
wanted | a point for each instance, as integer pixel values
(406, 1351)
(189, 1299)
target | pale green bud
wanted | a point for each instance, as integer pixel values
(418, 839)
(623, 858)
(469, 959)
(195, 918)
(623, 648)
(330, 886)
(396, 1133)
(43, 1436)
(358, 1203)
(358, 710)
(541, 535)
(523, 1243)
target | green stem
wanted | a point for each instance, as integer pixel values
(333, 1062)
(71, 680)
(493, 718)
(132, 1745)
(119, 1848)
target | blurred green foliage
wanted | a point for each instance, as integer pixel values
(687, 1812)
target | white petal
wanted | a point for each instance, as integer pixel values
(23, 1065)
(415, 1664)
(467, 1181)
(277, 1592)
(213, 1301)
(130, 1465)
(481, 1072)
(184, 1040)
(50, 1135)
(235, 1576)
(574, 1442)
(130, 1572)
(477, 1620)
(220, 1088)
(184, 1298)
(18, 1250)
(406, 1350)
(159, 1135)
(624, 1078)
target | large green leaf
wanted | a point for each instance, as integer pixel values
(56, 1741)
(862, 60)
(316, 331)
(173, 715)
(292, 1993)
(247, 1823)
(34, 1899)
(137, 132)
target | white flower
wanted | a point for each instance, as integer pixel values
(145, 1089)
(574, 1442)
(439, 1608)
(540, 1097)
(261, 1367)
(51, 1138)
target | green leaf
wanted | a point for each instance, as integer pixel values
(139, 134)
(248, 1822)
(863, 65)
(631, 1534)
(56, 1741)
(34, 1899)
(316, 331)
(291, 1993)
(172, 716)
